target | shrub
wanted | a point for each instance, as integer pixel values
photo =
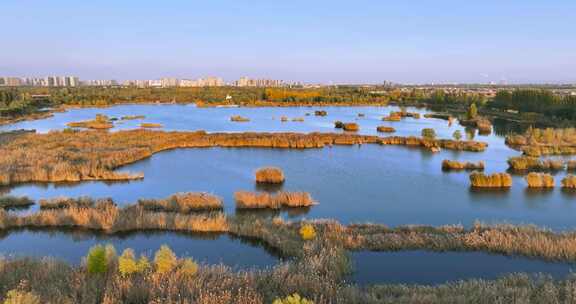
(165, 259)
(429, 133)
(126, 263)
(457, 135)
(12, 202)
(270, 175)
(293, 299)
(96, 261)
(307, 232)
(21, 297)
(188, 268)
(338, 125)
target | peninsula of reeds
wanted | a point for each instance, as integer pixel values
(101, 122)
(92, 155)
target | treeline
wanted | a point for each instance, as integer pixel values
(536, 101)
(13, 103)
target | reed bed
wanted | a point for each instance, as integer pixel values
(238, 118)
(449, 165)
(351, 126)
(483, 125)
(320, 113)
(538, 142)
(393, 116)
(539, 180)
(101, 122)
(14, 202)
(183, 202)
(80, 156)
(270, 175)
(252, 200)
(112, 219)
(496, 180)
(81, 202)
(569, 182)
(150, 125)
(524, 163)
(132, 117)
(385, 129)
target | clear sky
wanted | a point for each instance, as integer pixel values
(314, 41)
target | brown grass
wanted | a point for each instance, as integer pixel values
(385, 129)
(251, 200)
(183, 203)
(449, 165)
(539, 180)
(496, 180)
(270, 175)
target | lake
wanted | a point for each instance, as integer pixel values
(391, 185)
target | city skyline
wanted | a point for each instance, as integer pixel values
(320, 42)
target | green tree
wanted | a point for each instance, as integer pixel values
(96, 261)
(457, 135)
(165, 259)
(126, 263)
(472, 111)
(428, 133)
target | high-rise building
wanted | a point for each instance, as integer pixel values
(247, 82)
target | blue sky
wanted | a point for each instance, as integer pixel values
(314, 41)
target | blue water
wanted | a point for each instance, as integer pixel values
(72, 246)
(425, 267)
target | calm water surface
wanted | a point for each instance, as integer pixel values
(72, 246)
(424, 267)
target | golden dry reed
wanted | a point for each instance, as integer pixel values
(569, 182)
(351, 126)
(270, 175)
(183, 202)
(385, 129)
(496, 180)
(539, 180)
(252, 200)
(448, 165)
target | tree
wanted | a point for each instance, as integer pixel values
(126, 263)
(472, 111)
(457, 135)
(165, 259)
(143, 264)
(429, 133)
(307, 232)
(96, 261)
(188, 267)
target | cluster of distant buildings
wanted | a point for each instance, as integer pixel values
(72, 81)
(50, 81)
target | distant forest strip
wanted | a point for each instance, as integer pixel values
(26, 101)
